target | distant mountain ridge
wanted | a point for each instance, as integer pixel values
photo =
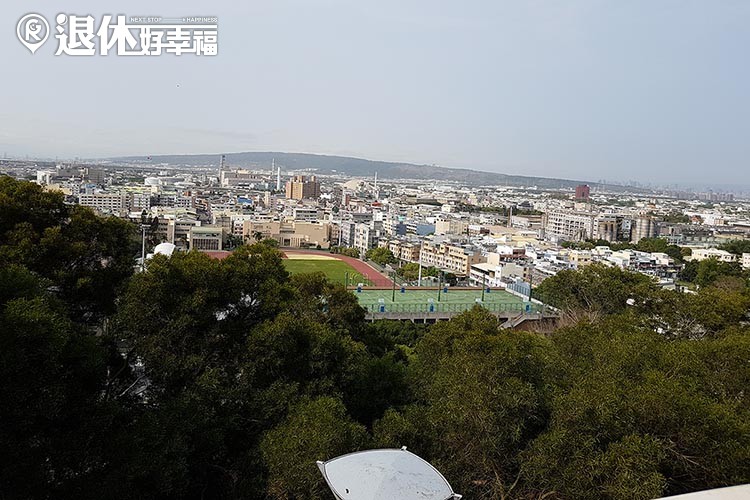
(359, 167)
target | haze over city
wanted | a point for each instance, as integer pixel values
(647, 91)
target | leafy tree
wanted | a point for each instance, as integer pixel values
(596, 288)
(189, 312)
(233, 241)
(652, 245)
(224, 362)
(53, 421)
(85, 257)
(676, 218)
(689, 271)
(630, 419)
(347, 251)
(269, 242)
(451, 279)
(24, 202)
(329, 303)
(410, 271)
(482, 396)
(315, 430)
(737, 247)
(381, 256)
(377, 384)
(706, 313)
(388, 335)
(709, 270)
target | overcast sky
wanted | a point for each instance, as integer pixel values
(653, 91)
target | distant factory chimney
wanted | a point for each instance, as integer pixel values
(510, 216)
(278, 179)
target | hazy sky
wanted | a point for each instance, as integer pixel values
(651, 90)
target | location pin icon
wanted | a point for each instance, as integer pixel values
(32, 31)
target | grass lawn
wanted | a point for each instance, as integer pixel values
(335, 270)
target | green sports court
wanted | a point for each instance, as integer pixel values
(456, 300)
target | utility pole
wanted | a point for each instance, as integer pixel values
(143, 246)
(419, 278)
(393, 278)
(531, 279)
(440, 284)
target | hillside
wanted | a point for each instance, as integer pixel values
(358, 167)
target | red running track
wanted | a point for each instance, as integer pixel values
(359, 266)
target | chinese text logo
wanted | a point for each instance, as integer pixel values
(134, 36)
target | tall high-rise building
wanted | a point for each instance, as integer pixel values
(568, 226)
(583, 192)
(301, 187)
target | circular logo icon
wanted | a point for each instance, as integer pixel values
(33, 31)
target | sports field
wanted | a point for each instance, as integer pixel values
(337, 271)
(455, 300)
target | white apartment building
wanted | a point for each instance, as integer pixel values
(497, 275)
(366, 236)
(106, 203)
(307, 214)
(568, 226)
(712, 253)
(140, 201)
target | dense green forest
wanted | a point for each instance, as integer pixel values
(209, 379)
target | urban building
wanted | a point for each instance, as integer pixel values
(367, 235)
(583, 192)
(449, 257)
(293, 234)
(239, 178)
(309, 214)
(451, 226)
(612, 228)
(712, 253)
(568, 226)
(405, 251)
(498, 274)
(301, 187)
(106, 203)
(580, 258)
(206, 238)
